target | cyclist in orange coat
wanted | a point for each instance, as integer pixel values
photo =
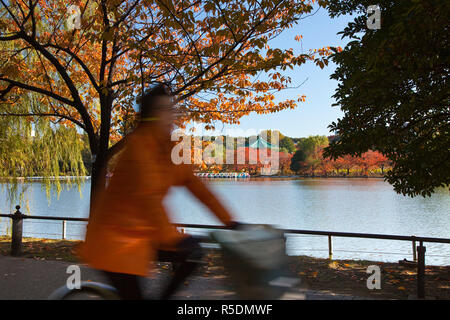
(128, 227)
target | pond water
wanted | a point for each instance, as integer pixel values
(346, 205)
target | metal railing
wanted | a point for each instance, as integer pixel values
(418, 251)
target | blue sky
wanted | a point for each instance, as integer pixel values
(313, 116)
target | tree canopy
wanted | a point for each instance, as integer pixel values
(311, 150)
(394, 91)
(298, 161)
(210, 52)
(287, 145)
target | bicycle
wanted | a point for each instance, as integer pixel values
(254, 256)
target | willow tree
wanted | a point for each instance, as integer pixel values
(33, 147)
(211, 53)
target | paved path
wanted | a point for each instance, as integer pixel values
(26, 278)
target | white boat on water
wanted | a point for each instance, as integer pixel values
(223, 175)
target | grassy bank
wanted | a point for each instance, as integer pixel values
(337, 276)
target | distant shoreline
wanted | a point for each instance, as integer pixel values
(42, 178)
(273, 177)
(328, 177)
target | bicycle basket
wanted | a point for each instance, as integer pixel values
(254, 256)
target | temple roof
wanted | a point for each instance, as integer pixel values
(261, 143)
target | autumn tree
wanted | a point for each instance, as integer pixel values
(348, 162)
(394, 90)
(326, 165)
(210, 52)
(285, 160)
(367, 161)
(298, 161)
(336, 164)
(312, 148)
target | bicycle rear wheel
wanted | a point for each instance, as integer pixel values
(87, 291)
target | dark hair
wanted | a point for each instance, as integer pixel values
(147, 105)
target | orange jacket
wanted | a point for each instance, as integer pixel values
(128, 222)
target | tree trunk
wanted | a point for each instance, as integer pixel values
(98, 180)
(98, 175)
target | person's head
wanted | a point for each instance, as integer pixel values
(156, 105)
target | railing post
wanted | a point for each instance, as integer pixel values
(17, 230)
(64, 228)
(414, 250)
(330, 248)
(421, 271)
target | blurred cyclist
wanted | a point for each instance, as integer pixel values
(129, 227)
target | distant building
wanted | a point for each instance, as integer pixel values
(261, 143)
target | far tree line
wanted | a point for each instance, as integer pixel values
(309, 159)
(304, 156)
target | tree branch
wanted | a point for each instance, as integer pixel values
(39, 90)
(44, 115)
(80, 62)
